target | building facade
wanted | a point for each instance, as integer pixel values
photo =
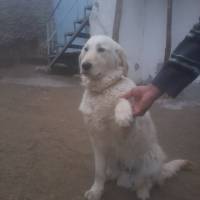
(142, 29)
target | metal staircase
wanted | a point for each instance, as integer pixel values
(66, 51)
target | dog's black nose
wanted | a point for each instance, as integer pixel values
(86, 66)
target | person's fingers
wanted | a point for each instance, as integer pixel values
(136, 108)
(138, 111)
(127, 95)
(140, 107)
(132, 93)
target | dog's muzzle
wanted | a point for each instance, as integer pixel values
(86, 66)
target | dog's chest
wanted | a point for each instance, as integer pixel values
(98, 110)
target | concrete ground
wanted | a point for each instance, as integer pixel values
(45, 152)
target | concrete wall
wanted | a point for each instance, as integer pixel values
(144, 24)
(23, 27)
(143, 30)
(102, 17)
(154, 37)
(142, 34)
(185, 15)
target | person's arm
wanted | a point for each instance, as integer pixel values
(143, 97)
(181, 69)
(183, 65)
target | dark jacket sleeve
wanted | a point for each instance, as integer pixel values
(183, 65)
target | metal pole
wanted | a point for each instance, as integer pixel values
(168, 30)
(117, 20)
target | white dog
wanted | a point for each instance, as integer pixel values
(125, 149)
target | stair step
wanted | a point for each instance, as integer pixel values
(51, 56)
(81, 35)
(87, 10)
(75, 46)
(60, 45)
(88, 7)
(79, 21)
(69, 43)
(65, 54)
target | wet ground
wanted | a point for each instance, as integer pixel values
(45, 153)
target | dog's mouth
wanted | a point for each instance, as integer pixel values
(90, 75)
(84, 72)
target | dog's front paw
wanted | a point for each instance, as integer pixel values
(123, 113)
(94, 193)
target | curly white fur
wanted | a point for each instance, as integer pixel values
(125, 149)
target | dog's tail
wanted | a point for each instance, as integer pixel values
(169, 169)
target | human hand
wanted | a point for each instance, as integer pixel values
(143, 98)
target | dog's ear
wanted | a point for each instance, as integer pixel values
(122, 60)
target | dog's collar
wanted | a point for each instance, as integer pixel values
(98, 86)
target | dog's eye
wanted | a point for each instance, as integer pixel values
(86, 49)
(101, 49)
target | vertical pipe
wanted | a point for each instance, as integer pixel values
(168, 30)
(117, 20)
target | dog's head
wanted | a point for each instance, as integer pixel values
(101, 56)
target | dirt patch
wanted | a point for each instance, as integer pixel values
(45, 152)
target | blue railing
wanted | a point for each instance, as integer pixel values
(54, 10)
(61, 20)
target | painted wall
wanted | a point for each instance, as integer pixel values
(67, 12)
(102, 17)
(185, 15)
(144, 23)
(143, 30)
(142, 34)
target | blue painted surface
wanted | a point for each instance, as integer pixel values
(66, 13)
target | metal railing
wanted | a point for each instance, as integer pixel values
(61, 21)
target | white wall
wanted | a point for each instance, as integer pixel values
(185, 15)
(131, 34)
(102, 17)
(143, 30)
(142, 34)
(154, 37)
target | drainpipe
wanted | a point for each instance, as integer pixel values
(168, 30)
(117, 20)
